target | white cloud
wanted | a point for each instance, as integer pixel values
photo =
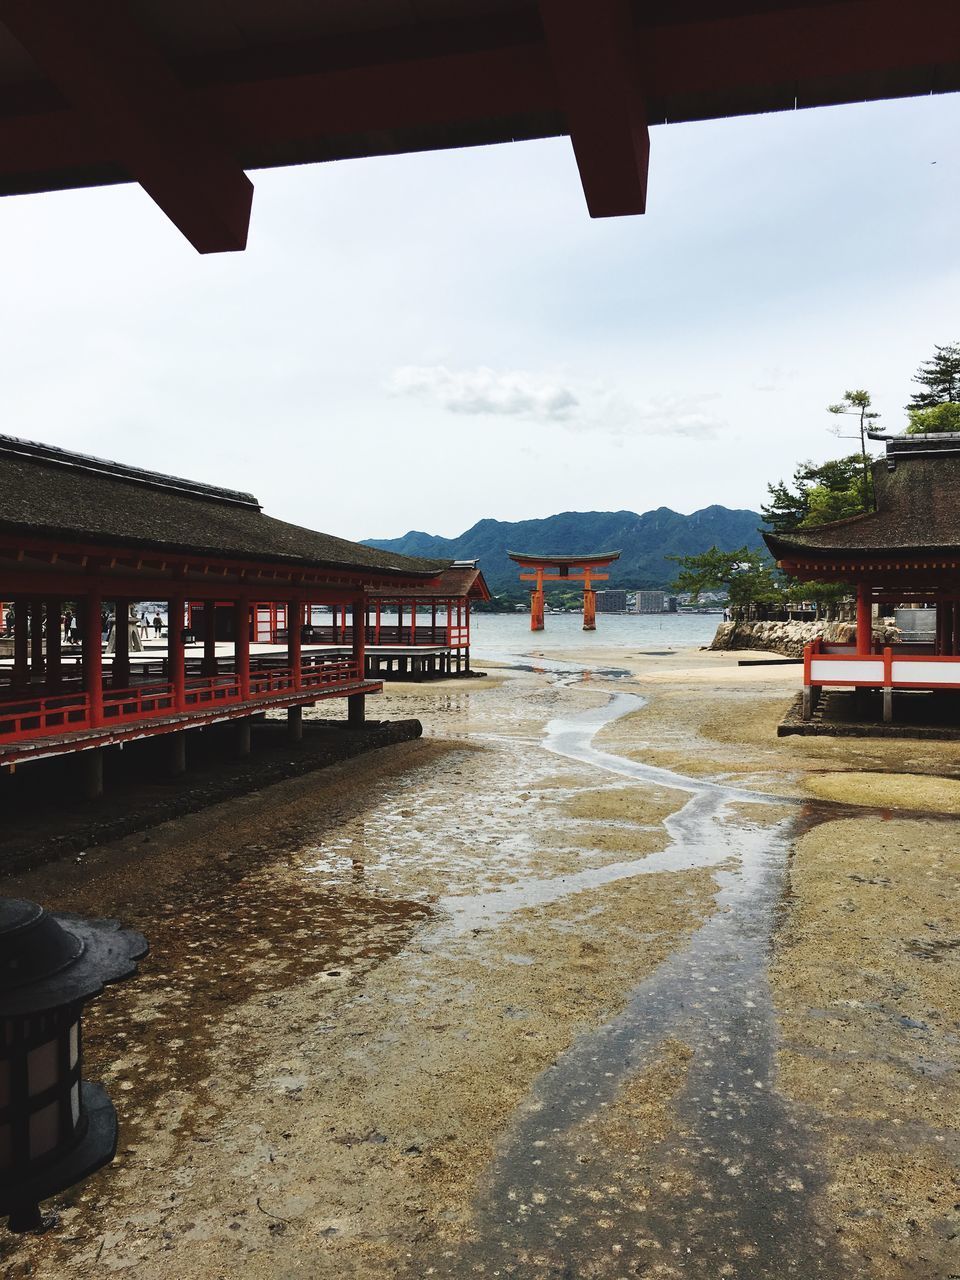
(540, 398)
(475, 391)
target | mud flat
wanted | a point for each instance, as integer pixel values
(599, 978)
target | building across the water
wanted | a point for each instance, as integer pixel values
(906, 552)
(86, 537)
(651, 601)
(611, 601)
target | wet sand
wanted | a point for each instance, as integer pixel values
(538, 995)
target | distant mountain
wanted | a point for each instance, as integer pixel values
(644, 540)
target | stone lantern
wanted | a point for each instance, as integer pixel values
(55, 1127)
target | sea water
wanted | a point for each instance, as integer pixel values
(499, 633)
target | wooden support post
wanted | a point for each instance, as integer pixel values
(121, 645)
(178, 753)
(36, 638)
(91, 767)
(92, 605)
(589, 603)
(54, 636)
(295, 723)
(536, 604)
(864, 619)
(413, 622)
(955, 638)
(359, 638)
(21, 644)
(294, 645)
(466, 655)
(433, 622)
(209, 667)
(356, 710)
(376, 633)
(241, 645)
(243, 736)
(176, 673)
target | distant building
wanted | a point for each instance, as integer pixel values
(652, 602)
(611, 602)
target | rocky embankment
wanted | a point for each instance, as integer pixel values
(789, 638)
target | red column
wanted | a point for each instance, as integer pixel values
(21, 643)
(333, 616)
(413, 622)
(536, 604)
(294, 646)
(54, 633)
(377, 628)
(209, 637)
(36, 638)
(955, 638)
(241, 645)
(433, 622)
(175, 660)
(120, 677)
(93, 655)
(359, 638)
(864, 619)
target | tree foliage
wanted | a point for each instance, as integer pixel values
(938, 417)
(745, 574)
(828, 491)
(939, 380)
(857, 404)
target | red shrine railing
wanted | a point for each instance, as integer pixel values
(64, 713)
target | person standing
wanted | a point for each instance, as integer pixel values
(67, 625)
(157, 625)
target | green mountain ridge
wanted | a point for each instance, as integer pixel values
(645, 541)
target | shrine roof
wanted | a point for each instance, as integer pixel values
(54, 493)
(535, 558)
(917, 488)
(458, 582)
(184, 96)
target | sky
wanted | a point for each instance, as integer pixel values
(422, 341)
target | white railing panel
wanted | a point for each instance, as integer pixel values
(926, 673)
(861, 670)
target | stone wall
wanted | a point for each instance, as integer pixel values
(789, 638)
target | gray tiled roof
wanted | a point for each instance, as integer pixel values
(56, 493)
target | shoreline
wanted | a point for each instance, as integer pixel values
(311, 1037)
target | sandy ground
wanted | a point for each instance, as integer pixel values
(366, 985)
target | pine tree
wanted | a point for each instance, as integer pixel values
(939, 378)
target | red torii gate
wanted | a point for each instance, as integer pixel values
(584, 570)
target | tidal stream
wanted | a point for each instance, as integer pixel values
(729, 1191)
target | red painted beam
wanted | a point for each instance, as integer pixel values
(107, 68)
(593, 50)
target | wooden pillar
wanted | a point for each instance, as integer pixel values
(955, 638)
(536, 604)
(121, 645)
(241, 645)
(864, 619)
(177, 761)
(36, 638)
(376, 632)
(294, 645)
(92, 632)
(209, 666)
(243, 736)
(433, 622)
(175, 656)
(91, 766)
(466, 652)
(21, 643)
(54, 636)
(356, 702)
(295, 723)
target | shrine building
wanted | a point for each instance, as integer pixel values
(99, 537)
(413, 632)
(906, 552)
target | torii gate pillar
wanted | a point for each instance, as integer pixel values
(589, 609)
(536, 604)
